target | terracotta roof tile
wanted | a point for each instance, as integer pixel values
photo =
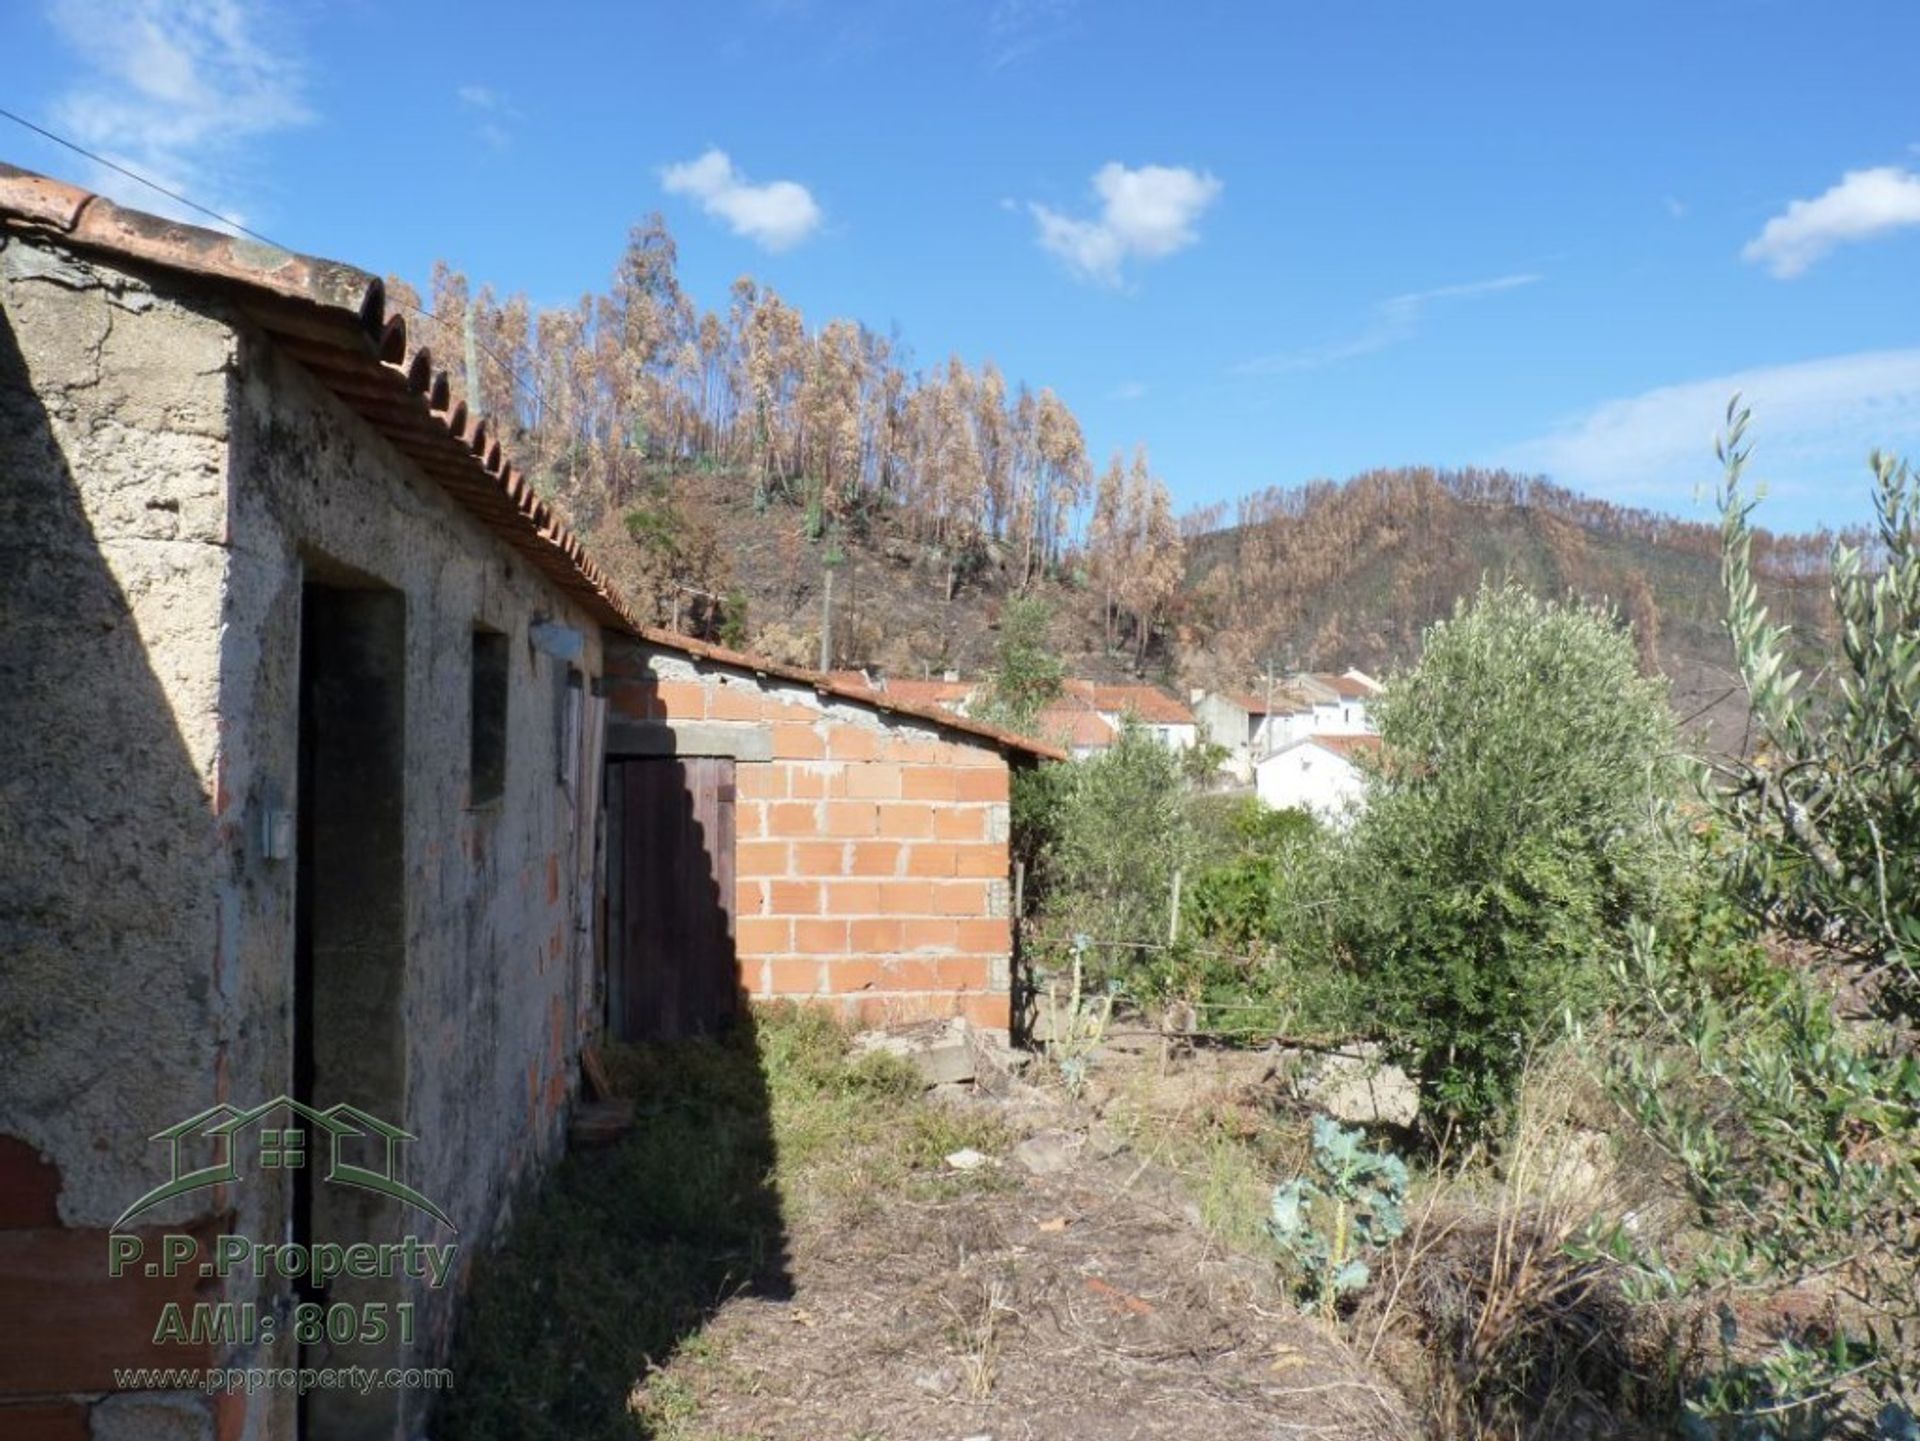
(334, 320)
(946, 693)
(1149, 704)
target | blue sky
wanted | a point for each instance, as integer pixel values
(1273, 242)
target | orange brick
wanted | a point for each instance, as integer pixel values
(905, 821)
(960, 823)
(930, 858)
(778, 711)
(810, 782)
(958, 973)
(819, 937)
(749, 820)
(960, 898)
(793, 818)
(749, 898)
(876, 858)
(793, 898)
(819, 858)
(847, 742)
(853, 898)
(639, 699)
(798, 742)
(887, 973)
(988, 862)
(759, 858)
(760, 781)
(874, 935)
(874, 781)
(915, 751)
(625, 663)
(920, 934)
(853, 973)
(988, 1008)
(850, 818)
(989, 937)
(739, 702)
(683, 699)
(762, 936)
(981, 784)
(794, 978)
(906, 898)
(927, 783)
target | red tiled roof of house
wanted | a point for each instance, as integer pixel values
(946, 693)
(1074, 726)
(334, 320)
(1346, 687)
(1349, 746)
(1149, 704)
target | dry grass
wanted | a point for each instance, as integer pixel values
(1482, 1310)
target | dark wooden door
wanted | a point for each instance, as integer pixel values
(677, 972)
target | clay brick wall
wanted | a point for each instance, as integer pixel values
(872, 861)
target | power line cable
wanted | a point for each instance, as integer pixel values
(531, 389)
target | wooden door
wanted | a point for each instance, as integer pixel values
(676, 970)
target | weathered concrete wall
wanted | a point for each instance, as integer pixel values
(167, 482)
(113, 545)
(871, 860)
(490, 997)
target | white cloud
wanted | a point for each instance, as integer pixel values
(1865, 204)
(1018, 28)
(492, 114)
(1813, 425)
(1129, 390)
(1395, 319)
(775, 216)
(1145, 214)
(175, 89)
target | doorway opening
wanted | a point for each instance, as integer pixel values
(349, 961)
(671, 830)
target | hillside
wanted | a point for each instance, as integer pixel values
(1321, 577)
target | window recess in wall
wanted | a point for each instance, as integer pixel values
(487, 774)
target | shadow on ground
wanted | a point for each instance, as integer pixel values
(625, 1252)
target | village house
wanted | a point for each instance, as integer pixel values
(335, 770)
(1320, 774)
(1085, 719)
(1252, 726)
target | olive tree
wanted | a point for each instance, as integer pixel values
(1512, 829)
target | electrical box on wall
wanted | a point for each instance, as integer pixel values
(276, 833)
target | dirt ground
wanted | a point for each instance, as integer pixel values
(1073, 1294)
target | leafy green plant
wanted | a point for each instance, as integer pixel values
(1827, 810)
(1115, 831)
(1513, 830)
(1797, 1133)
(1329, 1221)
(1027, 672)
(1781, 1396)
(1075, 1022)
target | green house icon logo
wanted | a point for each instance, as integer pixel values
(285, 1145)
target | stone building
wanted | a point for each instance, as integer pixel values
(304, 735)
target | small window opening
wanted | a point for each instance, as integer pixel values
(488, 752)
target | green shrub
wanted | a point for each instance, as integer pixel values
(1512, 832)
(1027, 672)
(1797, 1133)
(1112, 830)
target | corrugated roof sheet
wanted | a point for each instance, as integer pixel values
(334, 320)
